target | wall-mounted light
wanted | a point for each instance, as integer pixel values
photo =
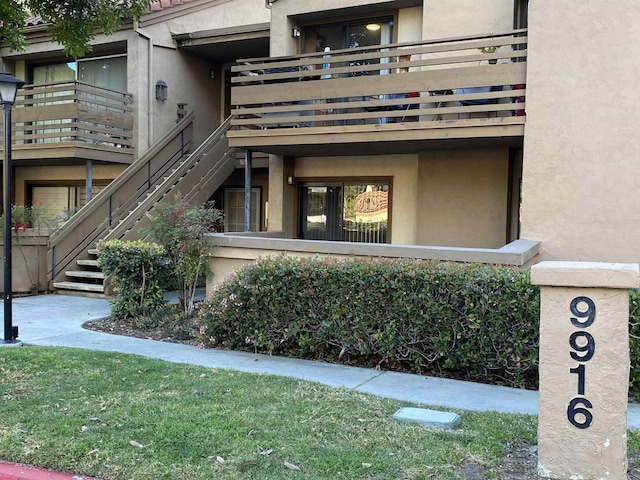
(296, 32)
(291, 180)
(373, 27)
(161, 90)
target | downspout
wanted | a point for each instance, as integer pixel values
(150, 93)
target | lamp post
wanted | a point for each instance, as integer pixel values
(9, 86)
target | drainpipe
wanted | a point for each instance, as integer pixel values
(150, 92)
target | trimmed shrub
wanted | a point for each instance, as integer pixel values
(139, 269)
(476, 322)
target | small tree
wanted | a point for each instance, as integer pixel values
(180, 227)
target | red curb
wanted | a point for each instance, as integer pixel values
(16, 471)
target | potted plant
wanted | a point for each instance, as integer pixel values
(490, 49)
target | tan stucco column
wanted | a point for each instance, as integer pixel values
(584, 368)
(281, 196)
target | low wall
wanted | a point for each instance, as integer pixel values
(232, 251)
(29, 261)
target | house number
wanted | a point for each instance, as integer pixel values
(583, 346)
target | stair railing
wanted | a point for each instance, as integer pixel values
(93, 221)
(195, 179)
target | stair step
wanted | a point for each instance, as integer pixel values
(83, 287)
(88, 263)
(85, 274)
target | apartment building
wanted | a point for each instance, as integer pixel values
(479, 130)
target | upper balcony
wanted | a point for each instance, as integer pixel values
(73, 122)
(398, 98)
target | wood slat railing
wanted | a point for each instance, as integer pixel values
(72, 113)
(429, 82)
(96, 218)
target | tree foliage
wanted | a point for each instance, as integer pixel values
(72, 23)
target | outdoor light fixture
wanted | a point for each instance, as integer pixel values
(373, 27)
(9, 86)
(161, 90)
(296, 32)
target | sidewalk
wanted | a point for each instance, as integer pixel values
(56, 320)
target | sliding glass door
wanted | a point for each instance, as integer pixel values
(348, 212)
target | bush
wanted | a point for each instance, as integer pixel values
(180, 227)
(139, 269)
(475, 322)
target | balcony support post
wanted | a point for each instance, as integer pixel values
(89, 181)
(248, 166)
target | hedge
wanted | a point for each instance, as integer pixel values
(475, 322)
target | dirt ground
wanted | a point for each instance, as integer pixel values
(520, 461)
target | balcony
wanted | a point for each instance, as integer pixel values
(399, 98)
(73, 122)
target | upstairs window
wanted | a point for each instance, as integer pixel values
(351, 34)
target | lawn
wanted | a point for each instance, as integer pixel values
(120, 417)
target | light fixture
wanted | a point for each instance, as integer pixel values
(291, 180)
(161, 90)
(296, 32)
(373, 27)
(9, 86)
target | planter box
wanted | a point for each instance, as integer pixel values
(29, 261)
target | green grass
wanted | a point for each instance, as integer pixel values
(125, 417)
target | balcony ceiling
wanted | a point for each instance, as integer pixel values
(368, 9)
(389, 148)
(226, 45)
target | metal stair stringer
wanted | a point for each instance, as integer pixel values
(195, 180)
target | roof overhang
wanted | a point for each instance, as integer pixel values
(225, 45)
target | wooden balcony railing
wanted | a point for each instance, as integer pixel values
(72, 114)
(418, 86)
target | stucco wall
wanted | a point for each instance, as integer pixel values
(466, 17)
(403, 169)
(284, 15)
(463, 197)
(581, 185)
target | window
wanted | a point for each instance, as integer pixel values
(107, 72)
(357, 33)
(349, 212)
(234, 209)
(60, 200)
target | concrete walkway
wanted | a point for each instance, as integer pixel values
(56, 320)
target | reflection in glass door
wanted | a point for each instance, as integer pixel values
(349, 212)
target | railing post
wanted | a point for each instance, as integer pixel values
(53, 263)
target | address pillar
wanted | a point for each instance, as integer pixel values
(584, 368)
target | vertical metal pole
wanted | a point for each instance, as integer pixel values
(89, 181)
(248, 165)
(6, 172)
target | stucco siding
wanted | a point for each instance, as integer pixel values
(462, 198)
(581, 180)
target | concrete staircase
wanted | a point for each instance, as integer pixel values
(121, 210)
(88, 279)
